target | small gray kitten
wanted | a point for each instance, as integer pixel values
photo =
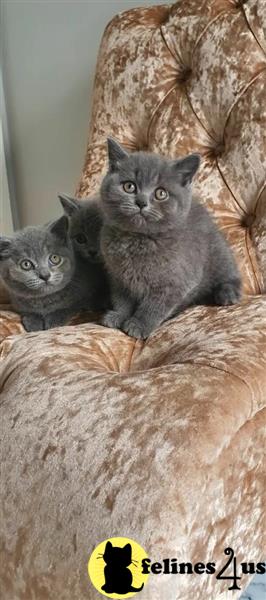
(85, 223)
(161, 248)
(85, 219)
(46, 282)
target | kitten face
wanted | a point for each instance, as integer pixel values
(85, 226)
(144, 192)
(37, 260)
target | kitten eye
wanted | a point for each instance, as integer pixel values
(161, 194)
(55, 259)
(26, 265)
(81, 238)
(129, 187)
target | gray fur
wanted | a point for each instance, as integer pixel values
(161, 256)
(85, 223)
(47, 295)
(85, 220)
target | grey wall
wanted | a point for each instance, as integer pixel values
(49, 53)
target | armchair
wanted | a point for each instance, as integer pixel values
(161, 441)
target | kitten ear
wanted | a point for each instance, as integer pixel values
(70, 205)
(108, 546)
(187, 167)
(115, 153)
(128, 549)
(60, 228)
(5, 246)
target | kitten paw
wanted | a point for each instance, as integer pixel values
(227, 293)
(106, 589)
(51, 321)
(112, 319)
(135, 329)
(32, 323)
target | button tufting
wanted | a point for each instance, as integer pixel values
(247, 221)
(218, 149)
(184, 74)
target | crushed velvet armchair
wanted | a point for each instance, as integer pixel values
(163, 440)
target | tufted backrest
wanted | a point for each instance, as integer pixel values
(191, 77)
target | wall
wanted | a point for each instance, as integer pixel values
(6, 224)
(49, 54)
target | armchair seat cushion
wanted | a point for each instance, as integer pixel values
(154, 440)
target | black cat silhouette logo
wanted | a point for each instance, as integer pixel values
(115, 568)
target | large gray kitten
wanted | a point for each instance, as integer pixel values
(161, 247)
(46, 282)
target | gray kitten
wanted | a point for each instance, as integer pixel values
(46, 282)
(161, 247)
(85, 225)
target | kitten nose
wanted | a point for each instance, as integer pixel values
(141, 202)
(44, 276)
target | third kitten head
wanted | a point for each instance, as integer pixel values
(85, 225)
(147, 193)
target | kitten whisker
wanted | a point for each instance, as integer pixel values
(34, 285)
(154, 214)
(130, 209)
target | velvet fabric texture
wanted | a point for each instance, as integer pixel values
(163, 440)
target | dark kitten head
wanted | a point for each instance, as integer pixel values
(85, 225)
(37, 261)
(113, 555)
(145, 192)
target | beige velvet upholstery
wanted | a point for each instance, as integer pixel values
(163, 440)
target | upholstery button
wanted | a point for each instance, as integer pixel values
(184, 74)
(247, 221)
(218, 149)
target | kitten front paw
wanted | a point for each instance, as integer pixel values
(227, 294)
(135, 329)
(107, 589)
(52, 321)
(112, 319)
(32, 323)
